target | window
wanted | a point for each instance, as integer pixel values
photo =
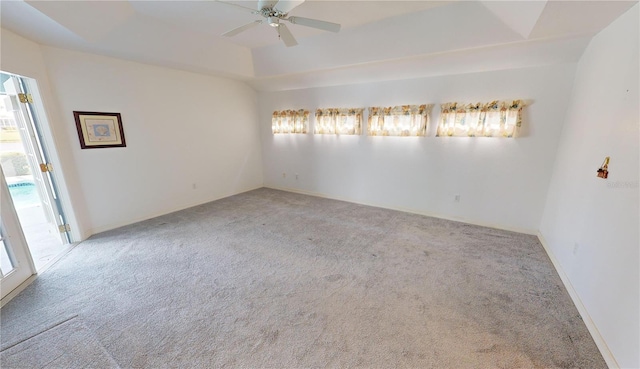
(495, 119)
(338, 121)
(290, 121)
(404, 120)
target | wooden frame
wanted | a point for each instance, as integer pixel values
(99, 130)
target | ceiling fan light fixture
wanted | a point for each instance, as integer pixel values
(273, 21)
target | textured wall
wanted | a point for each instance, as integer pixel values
(590, 224)
(23, 57)
(501, 182)
(181, 129)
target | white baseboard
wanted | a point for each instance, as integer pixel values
(412, 211)
(584, 313)
(33, 277)
(163, 212)
(17, 290)
(582, 310)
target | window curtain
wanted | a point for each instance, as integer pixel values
(404, 120)
(338, 121)
(494, 119)
(290, 121)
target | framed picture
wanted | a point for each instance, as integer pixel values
(99, 130)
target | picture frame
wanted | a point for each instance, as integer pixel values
(99, 130)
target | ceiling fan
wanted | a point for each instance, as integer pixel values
(275, 12)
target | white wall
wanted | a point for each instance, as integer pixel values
(181, 129)
(23, 57)
(591, 225)
(502, 182)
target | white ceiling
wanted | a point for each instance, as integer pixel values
(379, 39)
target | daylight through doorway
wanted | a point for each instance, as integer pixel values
(31, 189)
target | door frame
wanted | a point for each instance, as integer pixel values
(42, 110)
(37, 157)
(15, 242)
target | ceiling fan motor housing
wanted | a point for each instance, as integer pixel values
(262, 5)
(275, 11)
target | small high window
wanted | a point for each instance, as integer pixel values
(494, 119)
(290, 121)
(338, 121)
(404, 120)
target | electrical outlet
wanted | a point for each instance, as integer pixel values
(456, 198)
(296, 176)
(576, 246)
(284, 175)
(193, 186)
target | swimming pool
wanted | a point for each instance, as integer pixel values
(24, 194)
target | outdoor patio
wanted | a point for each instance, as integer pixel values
(43, 243)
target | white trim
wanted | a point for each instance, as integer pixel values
(60, 255)
(163, 212)
(14, 241)
(584, 313)
(33, 277)
(412, 211)
(42, 114)
(17, 290)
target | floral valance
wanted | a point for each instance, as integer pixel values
(403, 120)
(290, 121)
(494, 119)
(338, 121)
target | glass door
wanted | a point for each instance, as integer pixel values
(28, 171)
(16, 265)
(25, 120)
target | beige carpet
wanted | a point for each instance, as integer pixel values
(280, 280)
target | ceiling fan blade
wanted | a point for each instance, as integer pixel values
(235, 31)
(286, 35)
(285, 6)
(237, 6)
(315, 23)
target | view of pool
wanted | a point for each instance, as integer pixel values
(24, 194)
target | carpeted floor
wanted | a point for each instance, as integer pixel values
(275, 279)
